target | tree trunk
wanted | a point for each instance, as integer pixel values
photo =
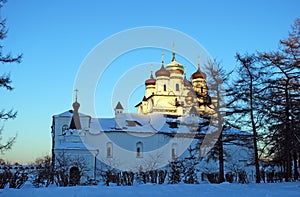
(298, 162)
(257, 173)
(288, 134)
(288, 174)
(221, 159)
(296, 173)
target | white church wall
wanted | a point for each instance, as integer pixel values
(85, 122)
(59, 124)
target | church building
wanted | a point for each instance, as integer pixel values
(171, 118)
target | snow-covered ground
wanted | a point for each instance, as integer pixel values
(225, 189)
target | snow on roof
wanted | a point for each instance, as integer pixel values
(233, 131)
(152, 123)
(74, 146)
(102, 124)
(69, 113)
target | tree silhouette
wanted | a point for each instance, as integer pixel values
(217, 78)
(282, 101)
(5, 82)
(245, 102)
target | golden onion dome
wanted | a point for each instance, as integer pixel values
(175, 66)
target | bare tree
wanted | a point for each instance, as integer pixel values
(14, 177)
(69, 169)
(245, 103)
(217, 79)
(149, 170)
(239, 172)
(152, 162)
(5, 82)
(190, 163)
(175, 171)
(44, 172)
(282, 100)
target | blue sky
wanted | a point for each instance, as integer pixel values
(56, 35)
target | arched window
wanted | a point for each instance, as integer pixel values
(165, 87)
(201, 89)
(173, 151)
(109, 150)
(177, 87)
(139, 149)
(64, 127)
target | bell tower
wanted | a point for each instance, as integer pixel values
(119, 115)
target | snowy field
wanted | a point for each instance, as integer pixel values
(225, 189)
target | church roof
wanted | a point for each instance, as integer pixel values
(155, 123)
(136, 123)
(74, 146)
(75, 123)
(69, 113)
(198, 74)
(162, 72)
(119, 106)
(186, 82)
(174, 65)
(72, 124)
(150, 81)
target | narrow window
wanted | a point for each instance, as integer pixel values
(201, 89)
(138, 152)
(173, 151)
(139, 149)
(165, 87)
(177, 87)
(109, 150)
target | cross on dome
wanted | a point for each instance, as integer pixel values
(173, 51)
(198, 74)
(151, 69)
(151, 80)
(76, 94)
(199, 62)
